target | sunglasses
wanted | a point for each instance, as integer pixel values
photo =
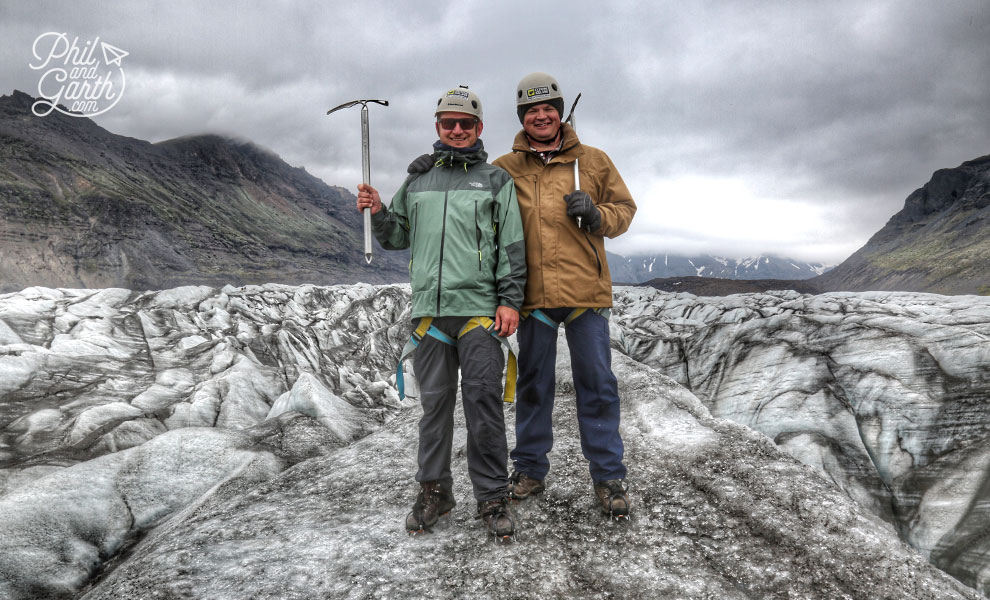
(466, 124)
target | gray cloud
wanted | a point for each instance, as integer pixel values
(828, 113)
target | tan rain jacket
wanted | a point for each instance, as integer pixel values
(566, 266)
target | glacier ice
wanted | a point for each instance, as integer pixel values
(223, 443)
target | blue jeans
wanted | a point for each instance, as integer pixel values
(595, 385)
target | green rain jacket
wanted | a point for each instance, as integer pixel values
(461, 221)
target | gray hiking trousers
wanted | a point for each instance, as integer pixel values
(480, 358)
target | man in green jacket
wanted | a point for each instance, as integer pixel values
(460, 218)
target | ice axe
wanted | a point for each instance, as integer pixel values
(365, 164)
(577, 174)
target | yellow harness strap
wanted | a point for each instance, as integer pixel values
(509, 393)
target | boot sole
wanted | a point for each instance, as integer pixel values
(614, 516)
(423, 529)
(513, 496)
(501, 538)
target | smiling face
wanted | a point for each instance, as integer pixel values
(457, 136)
(542, 122)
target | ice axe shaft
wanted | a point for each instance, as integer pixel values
(366, 178)
(365, 163)
(577, 173)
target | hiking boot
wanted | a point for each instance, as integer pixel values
(497, 518)
(613, 498)
(522, 486)
(434, 500)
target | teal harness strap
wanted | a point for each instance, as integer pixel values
(542, 317)
(436, 334)
(423, 328)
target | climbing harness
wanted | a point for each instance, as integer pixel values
(542, 317)
(426, 328)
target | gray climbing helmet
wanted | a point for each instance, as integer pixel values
(538, 88)
(460, 99)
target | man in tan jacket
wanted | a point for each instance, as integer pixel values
(568, 282)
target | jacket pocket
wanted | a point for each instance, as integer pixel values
(594, 250)
(485, 234)
(413, 229)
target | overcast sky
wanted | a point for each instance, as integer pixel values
(788, 128)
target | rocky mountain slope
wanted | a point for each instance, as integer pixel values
(939, 242)
(219, 443)
(82, 207)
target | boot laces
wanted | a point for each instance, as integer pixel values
(430, 493)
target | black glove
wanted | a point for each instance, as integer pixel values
(579, 204)
(421, 164)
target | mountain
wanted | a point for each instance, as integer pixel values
(939, 242)
(231, 443)
(640, 268)
(83, 207)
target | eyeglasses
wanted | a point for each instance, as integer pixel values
(466, 124)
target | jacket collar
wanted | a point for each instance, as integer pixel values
(569, 144)
(448, 156)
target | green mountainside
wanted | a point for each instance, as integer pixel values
(939, 242)
(82, 207)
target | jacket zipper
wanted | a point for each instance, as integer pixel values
(412, 237)
(477, 233)
(443, 237)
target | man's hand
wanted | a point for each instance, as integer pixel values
(579, 204)
(420, 164)
(506, 321)
(368, 198)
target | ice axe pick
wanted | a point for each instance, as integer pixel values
(365, 163)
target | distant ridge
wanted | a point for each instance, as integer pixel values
(644, 267)
(711, 286)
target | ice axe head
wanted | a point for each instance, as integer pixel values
(363, 103)
(365, 163)
(570, 115)
(364, 131)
